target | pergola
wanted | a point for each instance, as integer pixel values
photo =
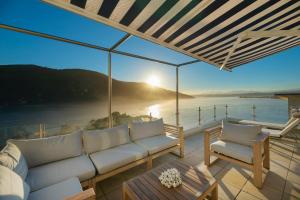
(223, 33)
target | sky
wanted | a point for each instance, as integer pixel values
(277, 72)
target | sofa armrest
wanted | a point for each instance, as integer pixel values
(84, 195)
(176, 131)
(173, 130)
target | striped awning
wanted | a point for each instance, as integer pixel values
(225, 33)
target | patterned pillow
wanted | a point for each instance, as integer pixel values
(12, 187)
(12, 158)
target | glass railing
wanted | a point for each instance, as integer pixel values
(188, 118)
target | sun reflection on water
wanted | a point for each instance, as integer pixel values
(154, 110)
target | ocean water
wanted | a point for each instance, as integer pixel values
(56, 115)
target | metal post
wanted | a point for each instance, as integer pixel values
(215, 114)
(253, 112)
(150, 116)
(109, 91)
(177, 98)
(199, 110)
(41, 131)
(226, 111)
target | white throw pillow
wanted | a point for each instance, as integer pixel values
(240, 133)
(45, 150)
(97, 140)
(12, 158)
(140, 130)
(12, 187)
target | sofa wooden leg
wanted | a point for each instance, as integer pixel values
(257, 165)
(149, 163)
(266, 162)
(181, 152)
(206, 149)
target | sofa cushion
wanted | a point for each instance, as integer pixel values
(49, 174)
(12, 186)
(45, 150)
(238, 133)
(157, 143)
(58, 191)
(141, 130)
(98, 140)
(12, 158)
(234, 150)
(116, 157)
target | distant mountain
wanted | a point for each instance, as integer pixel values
(249, 94)
(31, 84)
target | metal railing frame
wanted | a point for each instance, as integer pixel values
(109, 51)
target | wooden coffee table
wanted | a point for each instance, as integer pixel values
(195, 185)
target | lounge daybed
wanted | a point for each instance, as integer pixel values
(59, 164)
(245, 145)
(269, 125)
(275, 130)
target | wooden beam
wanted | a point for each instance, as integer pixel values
(272, 33)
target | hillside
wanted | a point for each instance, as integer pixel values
(31, 84)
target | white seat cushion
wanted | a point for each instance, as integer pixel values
(12, 186)
(264, 124)
(45, 150)
(237, 151)
(157, 143)
(139, 130)
(238, 133)
(97, 140)
(49, 174)
(58, 191)
(272, 132)
(12, 158)
(110, 159)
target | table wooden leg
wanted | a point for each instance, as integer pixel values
(125, 195)
(214, 193)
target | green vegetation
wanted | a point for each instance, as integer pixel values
(118, 119)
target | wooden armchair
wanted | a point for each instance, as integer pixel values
(88, 194)
(259, 157)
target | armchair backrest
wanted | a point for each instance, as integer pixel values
(240, 133)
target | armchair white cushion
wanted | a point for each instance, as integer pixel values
(97, 140)
(57, 191)
(12, 158)
(140, 130)
(240, 133)
(12, 186)
(234, 150)
(55, 172)
(45, 150)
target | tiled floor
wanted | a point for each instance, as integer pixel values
(282, 181)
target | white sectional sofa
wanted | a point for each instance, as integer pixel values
(59, 166)
(17, 182)
(120, 148)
